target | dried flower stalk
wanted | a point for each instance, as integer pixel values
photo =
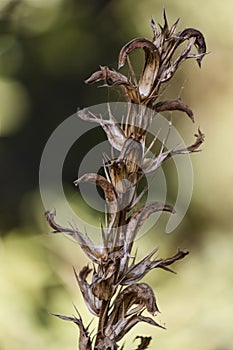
(115, 294)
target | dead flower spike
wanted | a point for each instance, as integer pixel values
(111, 284)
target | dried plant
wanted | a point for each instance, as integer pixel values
(114, 293)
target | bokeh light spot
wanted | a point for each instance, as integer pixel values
(14, 106)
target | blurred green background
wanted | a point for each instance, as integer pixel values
(47, 50)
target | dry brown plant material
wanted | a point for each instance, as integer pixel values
(115, 294)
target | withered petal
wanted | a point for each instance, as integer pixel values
(168, 73)
(49, 216)
(111, 77)
(163, 263)
(137, 293)
(149, 74)
(95, 77)
(138, 43)
(200, 44)
(173, 105)
(200, 137)
(120, 320)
